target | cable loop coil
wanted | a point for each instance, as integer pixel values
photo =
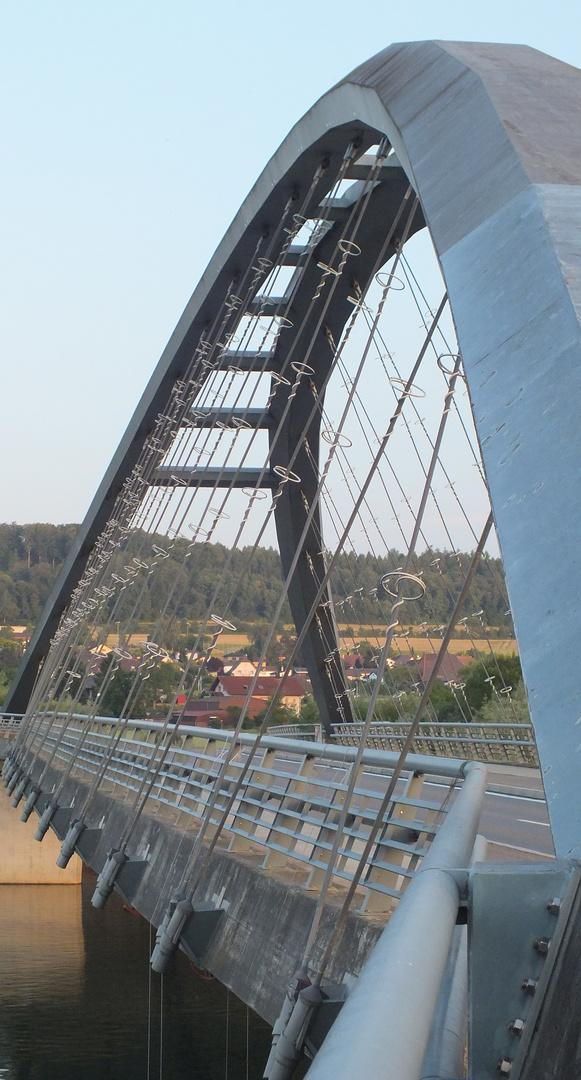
(454, 357)
(409, 391)
(336, 438)
(223, 623)
(400, 576)
(287, 474)
(389, 281)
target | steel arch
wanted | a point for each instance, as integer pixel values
(488, 135)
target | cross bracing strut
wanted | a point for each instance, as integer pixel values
(212, 478)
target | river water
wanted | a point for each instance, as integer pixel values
(78, 1001)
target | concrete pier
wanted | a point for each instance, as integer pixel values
(23, 861)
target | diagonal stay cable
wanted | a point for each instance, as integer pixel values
(355, 767)
(311, 614)
(387, 798)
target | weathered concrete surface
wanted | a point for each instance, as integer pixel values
(23, 861)
(260, 939)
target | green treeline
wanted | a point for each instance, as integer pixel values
(31, 556)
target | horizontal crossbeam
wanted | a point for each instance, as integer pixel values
(231, 418)
(209, 478)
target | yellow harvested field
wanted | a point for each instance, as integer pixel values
(424, 644)
(134, 639)
(231, 642)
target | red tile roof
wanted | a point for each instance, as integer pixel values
(234, 685)
(450, 669)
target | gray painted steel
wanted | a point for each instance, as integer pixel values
(490, 137)
(384, 1027)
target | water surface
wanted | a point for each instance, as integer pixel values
(78, 1000)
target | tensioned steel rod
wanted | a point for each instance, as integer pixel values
(401, 763)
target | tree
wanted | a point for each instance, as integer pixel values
(444, 704)
(503, 670)
(281, 714)
(259, 637)
(135, 693)
(233, 715)
(515, 711)
(10, 653)
(309, 711)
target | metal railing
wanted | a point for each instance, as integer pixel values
(502, 744)
(312, 732)
(385, 1025)
(289, 802)
(506, 744)
(9, 724)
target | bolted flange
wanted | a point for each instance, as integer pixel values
(14, 779)
(30, 802)
(45, 819)
(170, 935)
(106, 879)
(68, 845)
(516, 1026)
(19, 791)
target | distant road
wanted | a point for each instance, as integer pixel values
(513, 822)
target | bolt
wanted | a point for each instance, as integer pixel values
(529, 986)
(554, 906)
(503, 1066)
(516, 1026)
(541, 944)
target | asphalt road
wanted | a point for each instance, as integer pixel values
(515, 822)
(518, 823)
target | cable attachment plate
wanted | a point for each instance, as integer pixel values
(20, 789)
(68, 845)
(30, 802)
(106, 879)
(46, 817)
(189, 927)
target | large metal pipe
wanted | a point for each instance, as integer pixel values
(382, 759)
(383, 1029)
(444, 1058)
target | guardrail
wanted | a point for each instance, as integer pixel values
(313, 732)
(507, 744)
(9, 724)
(289, 802)
(503, 744)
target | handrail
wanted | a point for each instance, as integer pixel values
(404, 971)
(287, 805)
(383, 759)
(505, 743)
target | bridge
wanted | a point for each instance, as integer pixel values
(342, 889)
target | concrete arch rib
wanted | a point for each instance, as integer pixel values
(489, 137)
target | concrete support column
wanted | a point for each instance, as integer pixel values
(23, 861)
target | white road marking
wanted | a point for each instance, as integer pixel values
(528, 851)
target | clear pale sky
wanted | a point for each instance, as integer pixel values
(131, 132)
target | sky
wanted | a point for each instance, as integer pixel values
(131, 133)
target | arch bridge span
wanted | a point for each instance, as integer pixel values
(480, 144)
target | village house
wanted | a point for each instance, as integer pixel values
(234, 686)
